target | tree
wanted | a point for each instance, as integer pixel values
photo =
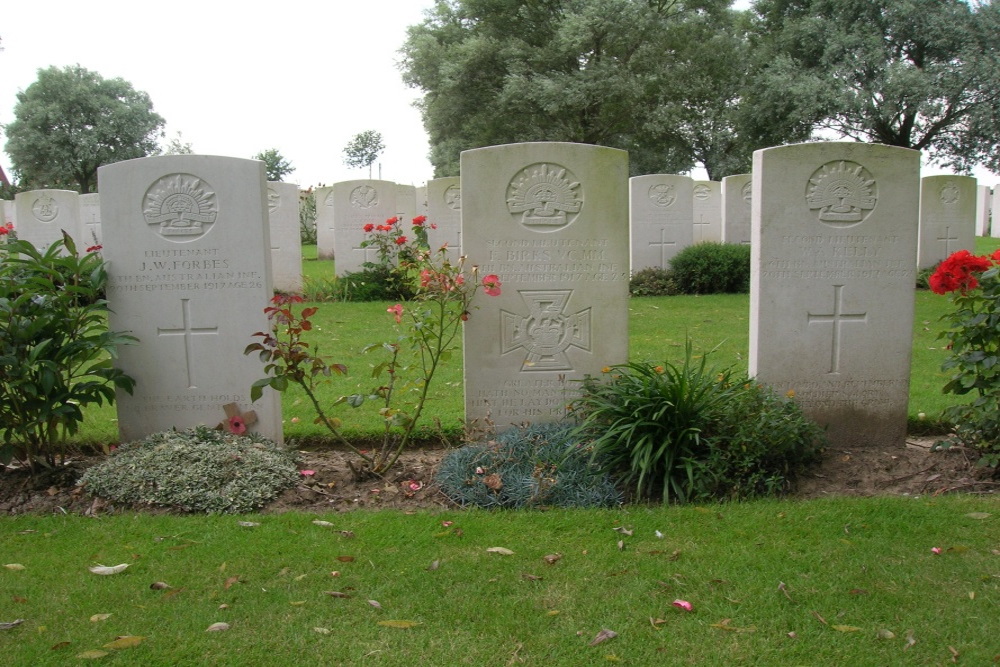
(663, 79)
(71, 121)
(177, 146)
(363, 149)
(921, 74)
(276, 166)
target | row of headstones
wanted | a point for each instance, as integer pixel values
(41, 216)
(834, 238)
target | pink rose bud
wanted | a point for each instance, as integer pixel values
(936, 551)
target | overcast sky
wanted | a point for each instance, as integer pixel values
(303, 77)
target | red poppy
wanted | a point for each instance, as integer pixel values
(237, 425)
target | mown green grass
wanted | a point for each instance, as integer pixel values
(772, 568)
(658, 328)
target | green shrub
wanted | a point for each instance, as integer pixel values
(652, 281)
(540, 465)
(924, 275)
(377, 282)
(691, 433)
(198, 470)
(55, 347)
(712, 268)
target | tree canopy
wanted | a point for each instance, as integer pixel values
(680, 83)
(363, 149)
(71, 121)
(275, 165)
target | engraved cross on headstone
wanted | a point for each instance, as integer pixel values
(946, 238)
(364, 250)
(699, 228)
(837, 318)
(188, 332)
(662, 243)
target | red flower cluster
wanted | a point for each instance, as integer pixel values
(6, 229)
(958, 272)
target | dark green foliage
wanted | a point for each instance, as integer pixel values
(712, 268)
(924, 275)
(539, 465)
(378, 282)
(652, 281)
(55, 349)
(690, 433)
(198, 470)
(307, 217)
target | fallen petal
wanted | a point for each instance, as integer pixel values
(217, 627)
(375, 604)
(500, 550)
(104, 569)
(603, 636)
(14, 566)
(324, 524)
(247, 524)
(683, 604)
(99, 617)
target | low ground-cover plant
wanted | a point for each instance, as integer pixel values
(534, 466)
(198, 470)
(712, 268)
(653, 281)
(973, 337)
(688, 432)
(55, 347)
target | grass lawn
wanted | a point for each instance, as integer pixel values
(826, 582)
(658, 329)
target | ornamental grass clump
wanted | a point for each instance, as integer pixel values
(973, 337)
(534, 466)
(688, 432)
(198, 470)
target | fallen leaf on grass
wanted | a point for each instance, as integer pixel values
(297, 603)
(230, 581)
(885, 634)
(603, 636)
(14, 566)
(624, 531)
(11, 624)
(91, 655)
(659, 535)
(301, 577)
(657, 622)
(846, 628)
(820, 618)
(979, 515)
(336, 594)
(858, 591)
(621, 545)
(348, 534)
(551, 558)
(106, 569)
(434, 565)
(217, 627)
(324, 524)
(530, 577)
(247, 524)
(322, 631)
(958, 550)
(128, 641)
(159, 586)
(59, 646)
(910, 639)
(399, 624)
(500, 550)
(345, 559)
(493, 482)
(99, 617)
(375, 604)
(19, 599)
(683, 604)
(724, 624)
(954, 653)
(784, 589)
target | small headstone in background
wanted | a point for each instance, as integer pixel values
(661, 217)
(551, 221)
(355, 204)
(324, 222)
(9, 212)
(286, 239)
(444, 209)
(406, 203)
(983, 199)
(947, 217)
(90, 220)
(737, 193)
(707, 211)
(186, 238)
(832, 279)
(43, 215)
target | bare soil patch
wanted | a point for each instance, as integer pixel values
(912, 468)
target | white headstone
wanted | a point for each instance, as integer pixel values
(736, 198)
(43, 215)
(994, 212)
(324, 222)
(551, 220)
(355, 204)
(444, 209)
(947, 217)
(186, 238)
(9, 212)
(983, 197)
(832, 279)
(707, 212)
(422, 200)
(661, 216)
(286, 240)
(406, 203)
(90, 219)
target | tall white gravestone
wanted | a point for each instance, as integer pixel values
(661, 218)
(707, 211)
(444, 209)
(324, 222)
(186, 237)
(947, 217)
(983, 197)
(551, 220)
(737, 193)
(406, 203)
(831, 284)
(355, 204)
(286, 241)
(43, 215)
(9, 213)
